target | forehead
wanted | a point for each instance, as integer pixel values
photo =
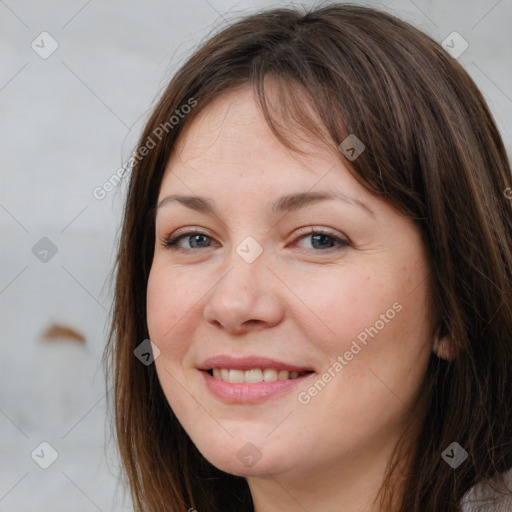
(232, 132)
(230, 157)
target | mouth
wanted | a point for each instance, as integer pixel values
(255, 375)
(251, 379)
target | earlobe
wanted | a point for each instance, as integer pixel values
(441, 348)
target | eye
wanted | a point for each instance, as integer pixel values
(196, 239)
(321, 239)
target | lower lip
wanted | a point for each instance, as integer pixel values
(243, 393)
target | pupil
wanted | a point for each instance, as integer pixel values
(324, 237)
(195, 237)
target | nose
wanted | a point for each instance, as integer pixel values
(245, 298)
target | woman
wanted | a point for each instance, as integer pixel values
(368, 372)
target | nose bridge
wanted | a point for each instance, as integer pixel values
(246, 269)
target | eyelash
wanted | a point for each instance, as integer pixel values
(170, 243)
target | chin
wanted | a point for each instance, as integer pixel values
(243, 458)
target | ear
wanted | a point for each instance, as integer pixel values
(442, 348)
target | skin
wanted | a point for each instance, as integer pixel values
(304, 300)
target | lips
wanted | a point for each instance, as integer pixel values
(251, 379)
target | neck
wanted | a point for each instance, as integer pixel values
(351, 488)
(352, 485)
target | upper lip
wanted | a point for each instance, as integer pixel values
(249, 363)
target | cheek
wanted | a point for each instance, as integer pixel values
(167, 308)
(369, 315)
(342, 303)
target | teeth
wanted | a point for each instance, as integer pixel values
(254, 375)
(269, 375)
(236, 376)
(283, 375)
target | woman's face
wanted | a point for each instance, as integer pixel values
(279, 281)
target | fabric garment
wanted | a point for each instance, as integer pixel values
(482, 498)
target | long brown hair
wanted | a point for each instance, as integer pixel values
(432, 150)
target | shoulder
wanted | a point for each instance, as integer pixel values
(483, 498)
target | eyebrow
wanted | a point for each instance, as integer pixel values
(284, 204)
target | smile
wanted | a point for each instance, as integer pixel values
(254, 375)
(251, 379)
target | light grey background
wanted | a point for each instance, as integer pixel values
(68, 122)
